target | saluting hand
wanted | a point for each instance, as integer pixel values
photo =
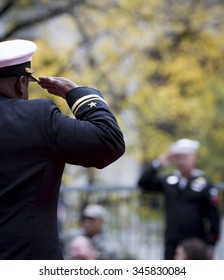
(166, 159)
(57, 85)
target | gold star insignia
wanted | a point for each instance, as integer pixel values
(92, 104)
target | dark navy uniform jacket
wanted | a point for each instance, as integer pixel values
(191, 210)
(36, 140)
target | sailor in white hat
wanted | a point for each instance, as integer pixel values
(190, 197)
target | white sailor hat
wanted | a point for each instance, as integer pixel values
(95, 211)
(15, 58)
(185, 146)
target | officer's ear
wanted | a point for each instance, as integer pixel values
(22, 86)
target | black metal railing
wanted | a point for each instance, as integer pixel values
(136, 220)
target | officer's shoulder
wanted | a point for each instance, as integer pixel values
(37, 108)
(41, 102)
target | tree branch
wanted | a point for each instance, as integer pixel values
(6, 7)
(41, 17)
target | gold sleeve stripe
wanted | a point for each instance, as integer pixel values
(91, 99)
(83, 99)
(75, 108)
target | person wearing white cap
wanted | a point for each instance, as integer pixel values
(191, 200)
(36, 141)
(94, 220)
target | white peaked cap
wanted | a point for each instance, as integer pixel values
(185, 146)
(15, 52)
(15, 57)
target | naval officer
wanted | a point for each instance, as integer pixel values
(36, 140)
(190, 198)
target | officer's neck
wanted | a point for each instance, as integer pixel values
(7, 87)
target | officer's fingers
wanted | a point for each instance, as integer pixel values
(64, 83)
(49, 83)
(46, 81)
(60, 82)
(57, 85)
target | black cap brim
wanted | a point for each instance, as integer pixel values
(32, 79)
